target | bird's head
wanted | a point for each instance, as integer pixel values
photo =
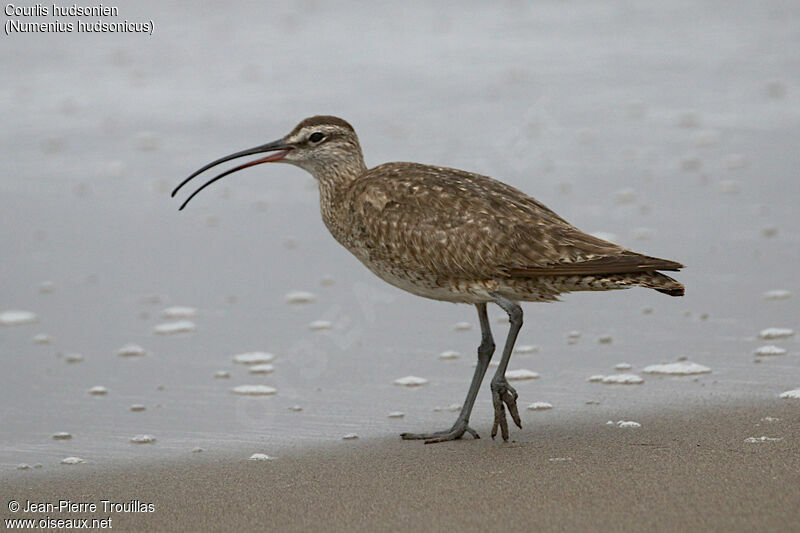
(322, 145)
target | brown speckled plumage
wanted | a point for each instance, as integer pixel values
(455, 236)
(452, 235)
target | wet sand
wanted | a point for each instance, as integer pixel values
(683, 470)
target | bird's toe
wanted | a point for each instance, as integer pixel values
(454, 433)
(504, 396)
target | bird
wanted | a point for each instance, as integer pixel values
(453, 236)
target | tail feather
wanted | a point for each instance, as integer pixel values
(673, 292)
(661, 283)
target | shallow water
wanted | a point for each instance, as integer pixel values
(673, 128)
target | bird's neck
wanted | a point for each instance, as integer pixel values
(340, 173)
(335, 177)
(334, 184)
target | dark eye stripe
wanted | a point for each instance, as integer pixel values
(316, 137)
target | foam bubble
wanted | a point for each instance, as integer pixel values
(72, 461)
(350, 436)
(540, 406)
(320, 325)
(622, 379)
(396, 414)
(98, 390)
(770, 350)
(42, 338)
(754, 440)
(449, 354)
(131, 350)
(526, 348)
(72, 357)
(259, 457)
(299, 297)
(254, 390)
(683, 368)
(791, 394)
(174, 328)
(253, 358)
(265, 368)
(777, 294)
(462, 326)
(410, 381)
(17, 318)
(521, 374)
(143, 439)
(776, 333)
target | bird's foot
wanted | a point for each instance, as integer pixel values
(456, 432)
(504, 395)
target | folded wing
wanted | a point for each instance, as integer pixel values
(464, 225)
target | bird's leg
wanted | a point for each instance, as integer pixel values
(485, 351)
(503, 394)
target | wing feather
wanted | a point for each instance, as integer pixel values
(462, 225)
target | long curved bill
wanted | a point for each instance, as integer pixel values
(280, 147)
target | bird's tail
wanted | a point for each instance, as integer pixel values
(659, 282)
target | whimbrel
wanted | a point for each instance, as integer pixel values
(454, 236)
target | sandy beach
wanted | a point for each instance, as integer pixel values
(680, 471)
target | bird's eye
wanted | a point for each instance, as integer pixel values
(316, 137)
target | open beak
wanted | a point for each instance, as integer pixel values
(280, 147)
